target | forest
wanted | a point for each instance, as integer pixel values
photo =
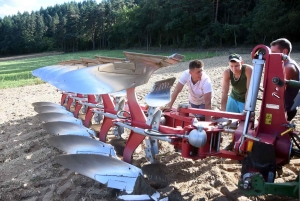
(146, 24)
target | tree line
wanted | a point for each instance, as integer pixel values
(111, 24)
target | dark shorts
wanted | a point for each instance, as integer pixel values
(199, 116)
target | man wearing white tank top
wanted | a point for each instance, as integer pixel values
(199, 86)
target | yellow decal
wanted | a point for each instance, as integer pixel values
(268, 119)
(249, 146)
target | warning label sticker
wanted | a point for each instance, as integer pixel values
(268, 119)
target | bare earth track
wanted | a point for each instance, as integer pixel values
(29, 56)
(28, 170)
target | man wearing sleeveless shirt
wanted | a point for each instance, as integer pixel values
(284, 46)
(199, 85)
(238, 75)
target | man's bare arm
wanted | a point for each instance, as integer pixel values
(207, 101)
(175, 93)
(291, 72)
(225, 88)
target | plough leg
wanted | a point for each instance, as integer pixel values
(106, 125)
(133, 142)
(88, 117)
(63, 99)
(77, 109)
(69, 103)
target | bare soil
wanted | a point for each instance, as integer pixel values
(28, 170)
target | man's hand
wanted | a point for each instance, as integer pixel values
(165, 108)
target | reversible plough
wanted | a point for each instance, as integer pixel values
(99, 96)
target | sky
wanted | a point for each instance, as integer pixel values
(11, 7)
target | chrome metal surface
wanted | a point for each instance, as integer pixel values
(74, 144)
(59, 111)
(118, 131)
(111, 77)
(39, 71)
(45, 74)
(161, 93)
(107, 170)
(52, 75)
(135, 197)
(67, 128)
(39, 104)
(80, 99)
(143, 197)
(49, 108)
(175, 58)
(109, 59)
(154, 60)
(197, 137)
(49, 77)
(151, 148)
(142, 132)
(219, 141)
(91, 104)
(154, 117)
(94, 80)
(55, 116)
(258, 65)
(118, 93)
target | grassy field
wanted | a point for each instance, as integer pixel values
(15, 73)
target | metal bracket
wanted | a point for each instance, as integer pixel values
(98, 117)
(197, 124)
(120, 103)
(151, 148)
(99, 99)
(153, 120)
(118, 131)
(154, 117)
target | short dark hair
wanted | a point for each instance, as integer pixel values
(196, 64)
(283, 43)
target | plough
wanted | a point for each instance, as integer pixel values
(261, 148)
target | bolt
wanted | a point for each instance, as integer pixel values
(247, 183)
